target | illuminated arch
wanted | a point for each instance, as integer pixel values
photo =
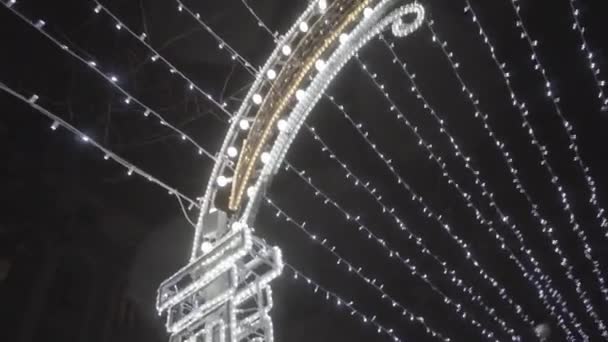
(286, 90)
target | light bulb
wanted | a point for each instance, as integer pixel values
(244, 124)
(282, 125)
(343, 37)
(232, 151)
(303, 26)
(206, 247)
(250, 191)
(257, 99)
(271, 74)
(322, 5)
(97, 9)
(54, 125)
(114, 78)
(286, 50)
(300, 94)
(222, 181)
(320, 64)
(367, 12)
(85, 138)
(265, 157)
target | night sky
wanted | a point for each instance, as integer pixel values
(83, 245)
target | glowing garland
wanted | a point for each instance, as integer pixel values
(449, 273)
(478, 215)
(521, 107)
(585, 48)
(57, 121)
(332, 156)
(499, 144)
(584, 169)
(358, 271)
(340, 302)
(430, 213)
(593, 198)
(112, 80)
(157, 56)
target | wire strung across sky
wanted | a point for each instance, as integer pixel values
(58, 122)
(541, 281)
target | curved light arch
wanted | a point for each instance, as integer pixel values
(386, 13)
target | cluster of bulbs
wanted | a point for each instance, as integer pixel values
(521, 108)
(349, 305)
(443, 129)
(446, 271)
(525, 35)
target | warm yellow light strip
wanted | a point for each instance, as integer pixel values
(239, 189)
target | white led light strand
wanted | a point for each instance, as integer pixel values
(582, 236)
(518, 308)
(499, 144)
(340, 302)
(108, 154)
(222, 44)
(391, 253)
(259, 21)
(58, 122)
(593, 198)
(585, 48)
(477, 213)
(430, 213)
(358, 271)
(521, 108)
(451, 274)
(113, 81)
(156, 56)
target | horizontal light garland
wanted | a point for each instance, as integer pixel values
(521, 108)
(58, 122)
(478, 215)
(358, 271)
(585, 49)
(340, 302)
(448, 272)
(391, 253)
(108, 155)
(458, 152)
(113, 81)
(524, 34)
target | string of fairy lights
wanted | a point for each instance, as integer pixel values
(573, 146)
(329, 296)
(455, 279)
(113, 79)
(542, 284)
(499, 144)
(390, 252)
(358, 271)
(458, 152)
(156, 56)
(348, 216)
(553, 292)
(241, 60)
(521, 108)
(430, 213)
(586, 51)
